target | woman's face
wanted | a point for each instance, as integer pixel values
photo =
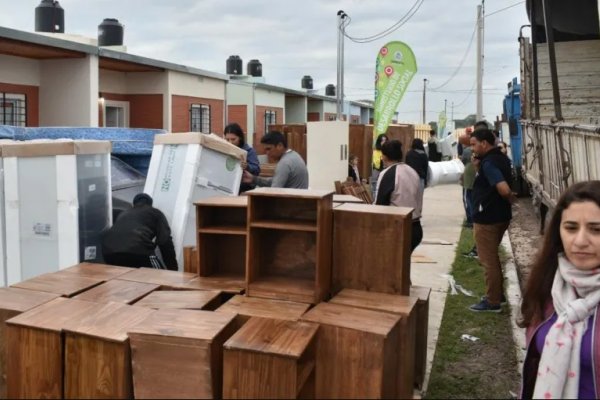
(233, 139)
(354, 161)
(383, 139)
(580, 234)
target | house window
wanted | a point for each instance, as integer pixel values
(270, 119)
(13, 109)
(200, 118)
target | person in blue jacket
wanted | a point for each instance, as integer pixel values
(234, 134)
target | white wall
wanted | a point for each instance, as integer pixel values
(295, 110)
(326, 153)
(113, 81)
(19, 70)
(69, 92)
(197, 86)
(315, 106)
(330, 107)
(269, 98)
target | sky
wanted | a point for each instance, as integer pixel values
(296, 38)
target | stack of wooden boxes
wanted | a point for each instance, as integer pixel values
(291, 299)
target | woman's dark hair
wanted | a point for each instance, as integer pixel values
(392, 149)
(417, 144)
(379, 139)
(539, 283)
(236, 129)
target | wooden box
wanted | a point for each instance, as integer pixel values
(422, 328)
(247, 307)
(229, 286)
(221, 237)
(357, 352)
(404, 306)
(117, 290)
(162, 277)
(182, 299)
(346, 198)
(98, 271)
(13, 302)
(64, 284)
(35, 349)
(178, 354)
(97, 354)
(371, 248)
(270, 358)
(289, 244)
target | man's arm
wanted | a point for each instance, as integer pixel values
(505, 191)
(495, 178)
(165, 242)
(386, 187)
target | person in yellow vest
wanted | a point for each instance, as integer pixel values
(377, 165)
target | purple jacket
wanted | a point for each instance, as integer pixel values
(532, 358)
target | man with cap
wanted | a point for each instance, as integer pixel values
(132, 239)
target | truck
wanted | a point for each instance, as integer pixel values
(559, 99)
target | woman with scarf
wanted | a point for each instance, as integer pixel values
(561, 302)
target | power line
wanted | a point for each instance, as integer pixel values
(505, 8)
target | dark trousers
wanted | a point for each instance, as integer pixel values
(128, 260)
(468, 204)
(417, 234)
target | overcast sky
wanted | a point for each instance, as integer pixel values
(296, 38)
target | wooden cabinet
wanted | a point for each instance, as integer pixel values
(13, 302)
(289, 244)
(182, 299)
(98, 271)
(404, 306)
(356, 352)
(64, 284)
(97, 355)
(270, 358)
(371, 248)
(35, 349)
(221, 238)
(178, 354)
(117, 290)
(422, 327)
(361, 145)
(246, 307)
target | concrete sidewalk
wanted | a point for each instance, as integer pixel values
(443, 214)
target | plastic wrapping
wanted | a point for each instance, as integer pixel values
(445, 172)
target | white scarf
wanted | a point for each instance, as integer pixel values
(575, 295)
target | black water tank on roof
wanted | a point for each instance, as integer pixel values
(330, 90)
(234, 65)
(254, 68)
(49, 17)
(110, 33)
(307, 82)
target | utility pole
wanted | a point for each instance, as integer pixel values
(452, 115)
(424, 109)
(480, 62)
(445, 103)
(340, 65)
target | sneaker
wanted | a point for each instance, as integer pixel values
(503, 301)
(471, 254)
(485, 306)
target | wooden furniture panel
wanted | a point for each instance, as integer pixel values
(371, 247)
(422, 328)
(246, 307)
(404, 306)
(356, 352)
(117, 290)
(64, 284)
(161, 277)
(346, 198)
(13, 302)
(405, 133)
(35, 355)
(182, 299)
(289, 244)
(270, 358)
(295, 135)
(98, 271)
(190, 260)
(187, 344)
(97, 355)
(361, 144)
(230, 285)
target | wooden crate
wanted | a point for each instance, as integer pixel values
(98, 271)
(64, 284)
(246, 307)
(221, 237)
(270, 358)
(178, 354)
(182, 299)
(422, 328)
(289, 244)
(162, 277)
(117, 290)
(228, 285)
(13, 302)
(97, 354)
(35, 349)
(371, 248)
(404, 306)
(357, 354)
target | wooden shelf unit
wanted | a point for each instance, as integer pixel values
(221, 237)
(289, 244)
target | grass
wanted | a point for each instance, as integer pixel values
(464, 369)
